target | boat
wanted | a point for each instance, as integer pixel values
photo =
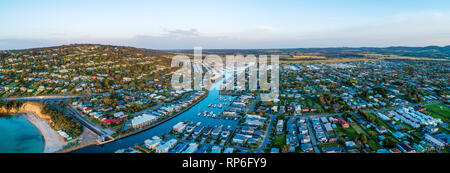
(199, 114)
(216, 132)
(207, 131)
(225, 134)
(197, 131)
(189, 128)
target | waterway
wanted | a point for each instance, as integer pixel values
(18, 135)
(190, 115)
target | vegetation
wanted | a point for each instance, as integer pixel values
(279, 140)
(62, 121)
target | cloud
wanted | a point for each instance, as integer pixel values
(181, 33)
(405, 29)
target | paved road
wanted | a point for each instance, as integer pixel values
(85, 122)
(312, 136)
(71, 111)
(266, 137)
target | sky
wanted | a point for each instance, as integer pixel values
(227, 24)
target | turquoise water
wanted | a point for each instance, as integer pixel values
(18, 135)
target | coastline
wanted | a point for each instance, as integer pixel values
(53, 141)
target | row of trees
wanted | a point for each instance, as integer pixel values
(62, 121)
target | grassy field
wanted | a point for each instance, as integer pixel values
(358, 129)
(368, 57)
(444, 131)
(440, 110)
(374, 145)
(350, 132)
(328, 145)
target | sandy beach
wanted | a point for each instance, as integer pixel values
(53, 141)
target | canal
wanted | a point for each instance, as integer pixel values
(189, 115)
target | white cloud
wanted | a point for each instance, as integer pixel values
(405, 29)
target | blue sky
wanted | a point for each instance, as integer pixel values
(173, 24)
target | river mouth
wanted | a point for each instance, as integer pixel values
(18, 135)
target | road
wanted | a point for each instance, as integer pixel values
(266, 137)
(85, 122)
(69, 110)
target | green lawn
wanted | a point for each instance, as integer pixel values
(350, 132)
(279, 140)
(440, 108)
(358, 129)
(374, 145)
(328, 145)
(444, 131)
(437, 108)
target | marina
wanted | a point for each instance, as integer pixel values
(191, 115)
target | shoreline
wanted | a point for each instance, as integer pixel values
(53, 142)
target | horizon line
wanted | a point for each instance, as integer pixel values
(184, 49)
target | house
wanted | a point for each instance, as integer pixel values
(383, 151)
(436, 142)
(109, 121)
(280, 124)
(395, 150)
(275, 150)
(192, 148)
(166, 146)
(328, 127)
(332, 149)
(381, 129)
(307, 148)
(179, 127)
(152, 143)
(350, 144)
(143, 120)
(343, 123)
(431, 129)
(239, 139)
(336, 107)
(405, 148)
(87, 110)
(229, 150)
(120, 115)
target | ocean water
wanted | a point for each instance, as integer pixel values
(18, 135)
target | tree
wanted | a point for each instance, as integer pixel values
(364, 139)
(285, 148)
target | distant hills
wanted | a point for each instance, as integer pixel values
(338, 52)
(342, 52)
(428, 52)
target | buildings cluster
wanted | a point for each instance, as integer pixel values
(333, 88)
(251, 132)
